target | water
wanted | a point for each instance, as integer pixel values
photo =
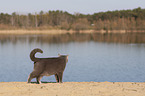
(89, 60)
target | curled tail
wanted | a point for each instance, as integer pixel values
(33, 52)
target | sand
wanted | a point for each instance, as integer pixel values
(29, 32)
(55, 31)
(47, 32)
(72, 89)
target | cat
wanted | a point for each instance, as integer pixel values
(47, 66)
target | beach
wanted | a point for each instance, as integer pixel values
(72, 89)
(58, 31)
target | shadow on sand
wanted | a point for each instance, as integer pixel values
(43, 82)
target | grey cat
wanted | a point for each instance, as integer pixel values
(47, 66)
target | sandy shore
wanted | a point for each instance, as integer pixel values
(72, 89)
(47, 32)
(55, 31)
(29, 32)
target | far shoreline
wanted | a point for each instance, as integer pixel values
(59, 31)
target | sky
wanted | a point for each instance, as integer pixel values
(71, 6)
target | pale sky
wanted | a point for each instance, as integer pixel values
(71, 6)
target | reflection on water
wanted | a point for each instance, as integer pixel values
(117, 38)
(91, 58)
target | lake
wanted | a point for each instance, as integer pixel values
(98, 58)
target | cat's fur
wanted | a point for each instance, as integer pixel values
(47, 66)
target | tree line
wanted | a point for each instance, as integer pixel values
(110, 20)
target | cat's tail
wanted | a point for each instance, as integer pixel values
(32, 54)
